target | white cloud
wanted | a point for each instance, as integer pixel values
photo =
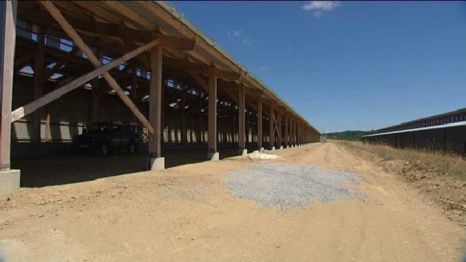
(318, 7)
(247, 41)
(235, 33)
(239, 34)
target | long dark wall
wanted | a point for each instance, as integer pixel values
(430, 139)
(450, 139)
(456, 139)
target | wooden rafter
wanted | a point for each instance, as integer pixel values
(95, 61)
(90, 26)
(200, 69)
(121, 8)
(31, 107)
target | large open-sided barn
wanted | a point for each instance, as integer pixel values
(70, 63)
(444, 132)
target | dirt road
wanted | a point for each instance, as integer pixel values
(186, 213)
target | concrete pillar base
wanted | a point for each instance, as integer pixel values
(273, 148)
(9, 182)
(244, 152)
(261, 149)
(281, 147)
(213, 156)
(157, 163)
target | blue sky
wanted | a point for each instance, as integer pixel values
(347, 65)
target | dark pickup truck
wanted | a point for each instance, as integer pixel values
(106, 137)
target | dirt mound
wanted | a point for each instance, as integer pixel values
(438, 186)
(446, 191)
(187, 214)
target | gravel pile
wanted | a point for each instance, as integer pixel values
(291, 186)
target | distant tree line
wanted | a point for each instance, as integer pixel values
(351, 135)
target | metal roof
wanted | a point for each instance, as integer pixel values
(451, 113)
(461, 123)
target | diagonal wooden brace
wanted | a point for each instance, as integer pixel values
(56, 14)
(49, 97)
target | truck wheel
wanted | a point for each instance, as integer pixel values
(104, 149)
(132, 148)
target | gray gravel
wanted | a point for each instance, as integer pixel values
(290, 186)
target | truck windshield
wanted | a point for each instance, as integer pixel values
(98, 127)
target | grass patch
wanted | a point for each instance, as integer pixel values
(438, 162)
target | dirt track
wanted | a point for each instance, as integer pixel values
(186, 213)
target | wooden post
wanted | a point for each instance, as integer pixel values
(305, 135)
(183, 117)
(241, 119)
(156, 161)
(259, 122)
(248, 137)
(7, 49)
(203, 129)
(279, 129)
(191, 127)
(299, 134)
(38, 85)
(287, 139)
(134, 89)
(232, 126)
(163, 108)
(296, 132)
(290, 132)
(224, 127)
(199, 121)
(169, 132)
(248, 130)
(94, 107)
(212, 153)
(48, 130)
(272, 127)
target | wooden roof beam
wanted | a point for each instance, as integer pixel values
(170, 18)
(177, 43)
(230, 91)
(89, 25)
(200, 69)
(95, 61)
(125, 11)
(49, 97)
(98, 11)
